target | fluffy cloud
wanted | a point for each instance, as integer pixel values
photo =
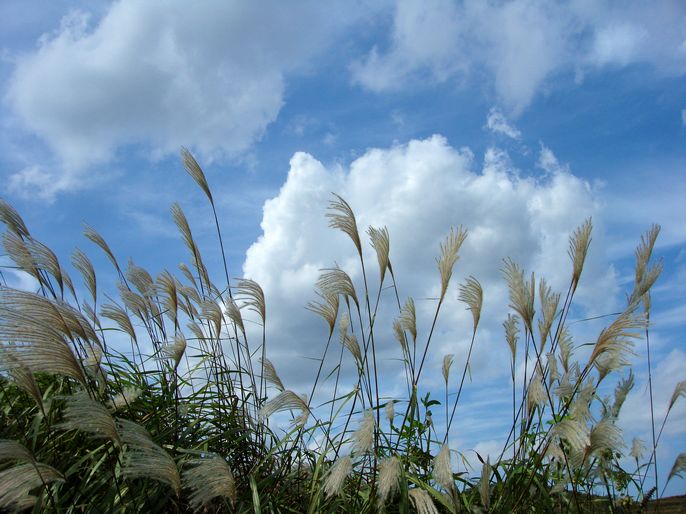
(419, 190)
(522, 44)
(497, 122)
(209, 75)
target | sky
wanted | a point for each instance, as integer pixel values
(517, 120)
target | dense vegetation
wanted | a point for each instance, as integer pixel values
(180, 420)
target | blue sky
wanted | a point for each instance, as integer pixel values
(516, 119)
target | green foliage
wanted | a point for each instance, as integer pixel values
(184, 426)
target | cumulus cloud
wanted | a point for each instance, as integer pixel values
(210, 76)
(497, 122)
(419, 190)
(521, 44)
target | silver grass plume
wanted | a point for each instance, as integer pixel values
(364, 435)
(270, 374)
(616, 338)
(335, 281)
(389, 410)
(621, 391)
(82, 263)
(96, 238)
(389, 476)
(335, 478)
(400, 337)
(175, 350)
(679, 390)
(21, 376)
(87, 415)
(140, 279)
(381, 244)
(327, 309)
(580, 408)
(535, 394)
(553, 373)
(472, 294)
(209, 478)
(252, 294)
(145, 459)
(10, 217)
(167, 288)
(578, 248)
(196, 330)
(442, 471)
(195, 171)
(638, 449)
(17, 482)
(45, 259)
(485, 485)
(16, 249)
(447, 363)
(422, 501)
(213, 313)
(408, 318)
(125, 398)
(549, 303)
(566, 347)
(575, 433)
(449, 256)
(350, 342)
(14, 450)
(521, 293)
(645, 277)
(120, 317)
(135, 302)
(342, 217)
(286, 400)
(678, 467)
(605, 436)
(510, 326)
(234, 314)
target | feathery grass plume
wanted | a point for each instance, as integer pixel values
(184, 228)
(87, 415)
(185, 270)
(510, 326)
(578, 248)
(82, 263)
(175, 350)
(209, 478)
(485, 485)
(270, 374)
(335, 478)
(234, 314)
(145, 459)
(45, 259)
(335, 281)
(120, 317)
(408, 318)
(96, 238)
(644, 250)
(638, 449)
(549, 303)
(364, 435)
(580, 407)
(447, 363)
(642, 289)
(389, 410)
(617, 338)
(196, 330)
(342, 217)
(389, 476)
(521, 292)
(195, 171)
(213, 313)
(16, 249)
(621, 391)
(350, 342)
(553, 373)
(21, 376)
(141, 279)
(449, 256)
(400, 337)
(166, 286)
(605, 436)
(37, 345)
(286, 400)
(252, 294)
(381, 244)
(10, 217)
(125, 398)
(328, 309)
(535, 394)
(678, 467)
(566, 347)
(574, 432)
(679, 390)
(442, 471)
(472, 294)
(14, 450)
(422, 501)
(18, 481)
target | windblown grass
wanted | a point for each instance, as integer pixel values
(90, 426)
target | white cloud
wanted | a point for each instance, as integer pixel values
(497, 122)
(210, 76)
(522, 44)
(418, 191)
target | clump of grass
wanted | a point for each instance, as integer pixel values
(87, 424)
